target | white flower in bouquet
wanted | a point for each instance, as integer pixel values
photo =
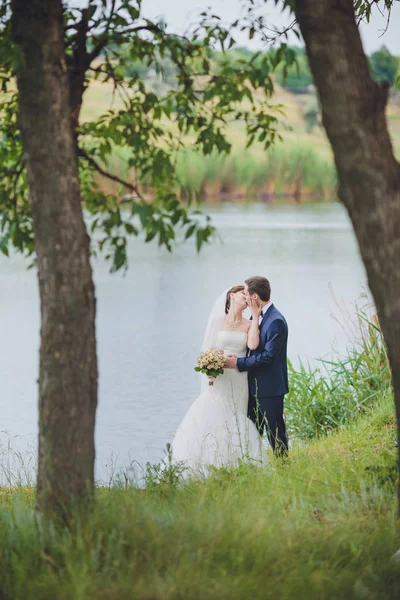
(211, 363)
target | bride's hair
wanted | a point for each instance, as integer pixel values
(233, 290)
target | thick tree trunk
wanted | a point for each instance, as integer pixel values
(68, 363)
(353, 112)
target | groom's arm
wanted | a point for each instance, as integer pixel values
(273, 346)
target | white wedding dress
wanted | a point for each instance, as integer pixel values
(216, 430)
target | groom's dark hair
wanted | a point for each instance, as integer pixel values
(259, 285)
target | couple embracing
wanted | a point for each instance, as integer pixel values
(226, 422)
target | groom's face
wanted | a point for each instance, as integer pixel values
(248, 296)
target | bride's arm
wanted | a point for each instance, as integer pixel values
(272, 348)
(253, 333)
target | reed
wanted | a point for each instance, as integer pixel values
(332, 393)
(284, 171)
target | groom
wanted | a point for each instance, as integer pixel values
(267, 367)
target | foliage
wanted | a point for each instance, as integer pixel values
(298, 78)
(384, 66)
(108, 41)
(364, 8)
(159, 77)
(320, 526)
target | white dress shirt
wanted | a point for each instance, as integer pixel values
(264, 310)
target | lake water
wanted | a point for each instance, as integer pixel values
(150, 322)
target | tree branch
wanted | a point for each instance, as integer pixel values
(151, 27)
(278, 33)
(105, 173)
(102, 43)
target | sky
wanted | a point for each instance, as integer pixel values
(180, 13)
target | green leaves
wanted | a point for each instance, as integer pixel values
(196, 94)
(165, 220)
(363, 8)
(190, 231)
(384, 66)
(209, 372)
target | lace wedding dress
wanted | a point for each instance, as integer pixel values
(216, 430)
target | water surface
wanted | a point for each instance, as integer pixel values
(150, 322)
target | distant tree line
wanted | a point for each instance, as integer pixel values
(385, 68)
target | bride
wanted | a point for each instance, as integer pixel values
(216, 431)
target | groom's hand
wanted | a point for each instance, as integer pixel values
(231, 361)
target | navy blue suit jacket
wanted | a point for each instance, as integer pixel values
(267, 365)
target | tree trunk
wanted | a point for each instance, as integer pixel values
(77, 65)
(353, 113)
(68, 363)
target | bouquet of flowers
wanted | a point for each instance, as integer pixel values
(211, 362)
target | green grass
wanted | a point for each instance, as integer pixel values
(320, 526)
(325, 396)
(291, 170)
(283, 169)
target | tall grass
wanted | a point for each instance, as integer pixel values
(321, 526)
(293, 170)
(282, 170)
(17, 466)
(329, 395)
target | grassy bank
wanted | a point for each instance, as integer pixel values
(320, 526)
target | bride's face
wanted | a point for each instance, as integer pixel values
(238, 300)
